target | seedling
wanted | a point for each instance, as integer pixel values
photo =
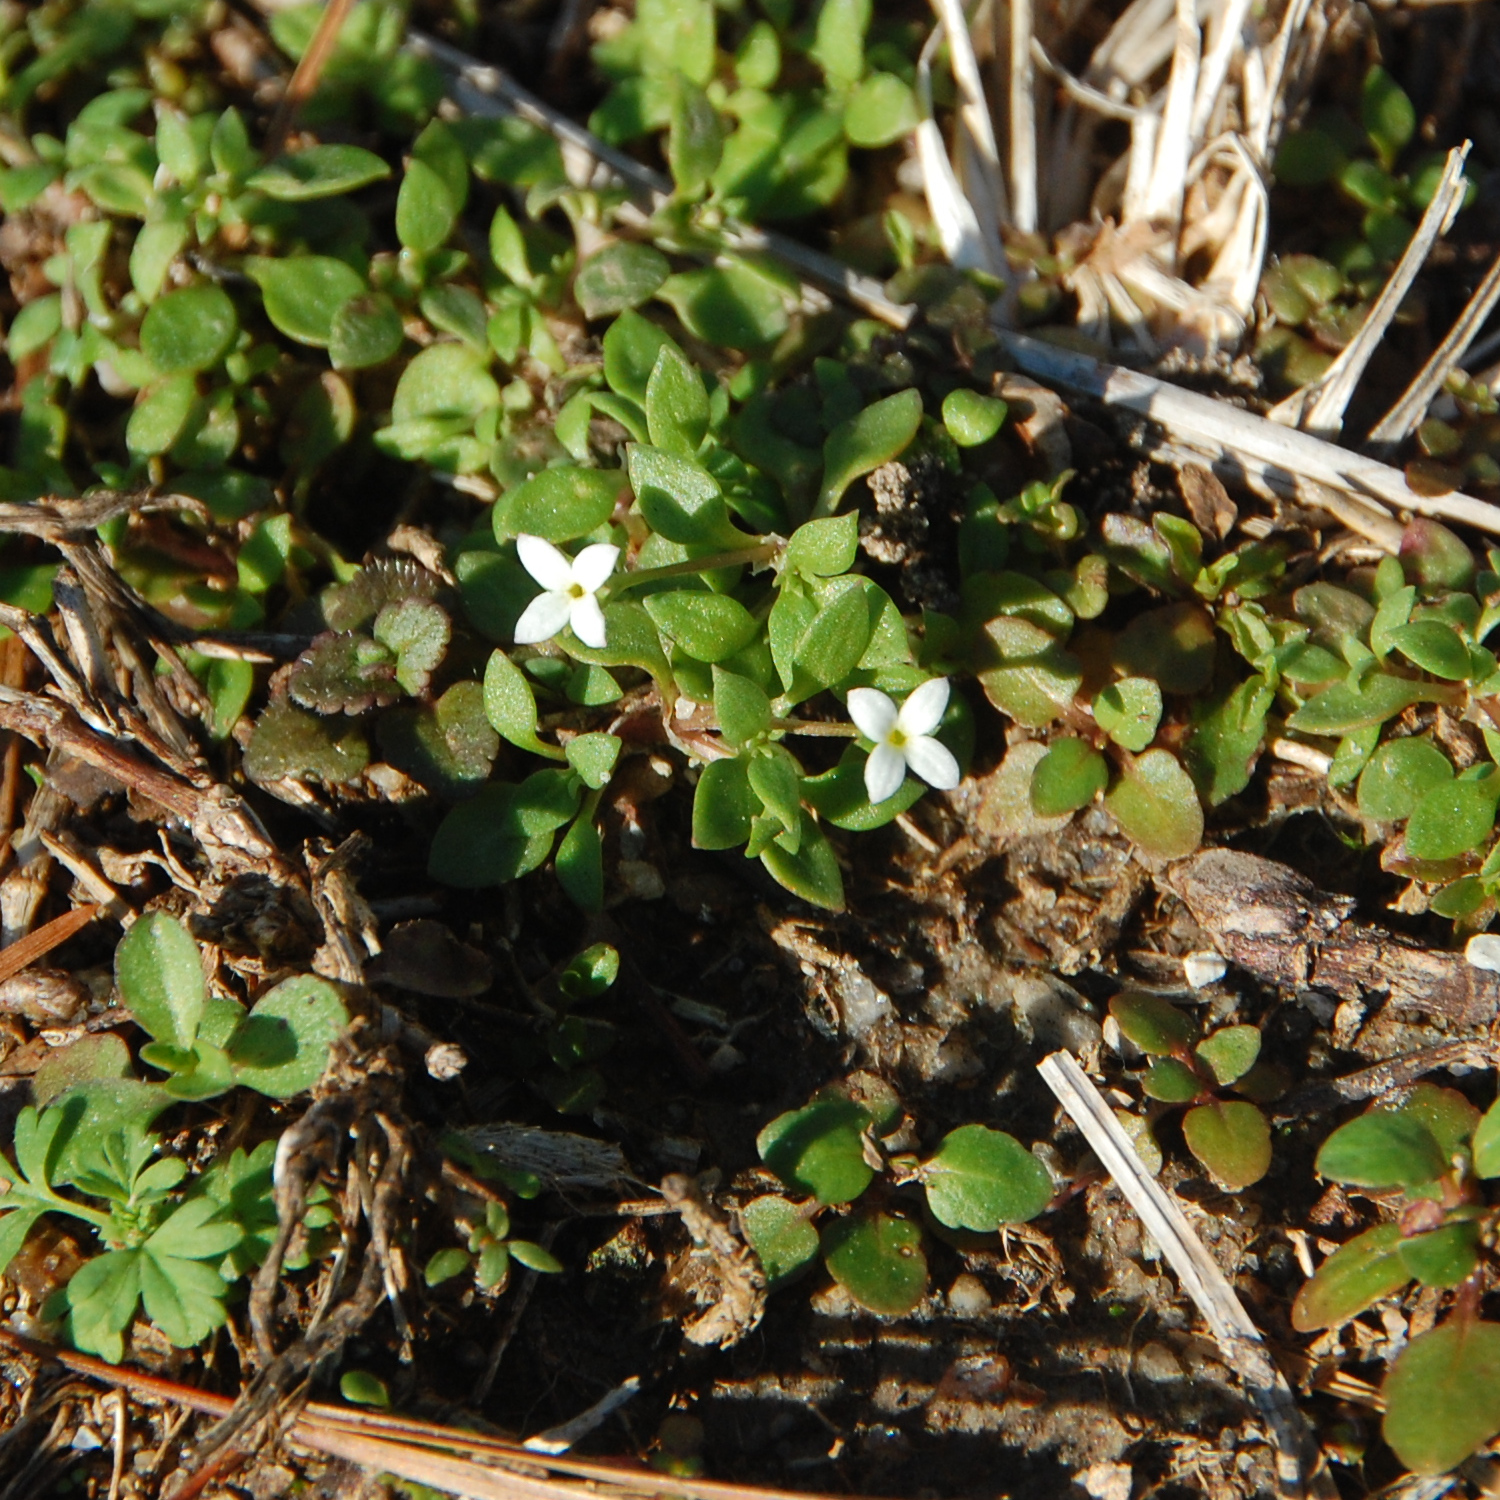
(1230, 1137)
(1427, 1159)
(977, 1180)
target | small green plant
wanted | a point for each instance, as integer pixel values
(977, 1180)
(1230, 1137)
(1442, 1394)
(491, 1248)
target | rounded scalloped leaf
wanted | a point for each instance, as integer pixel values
(1129, 711)
(1230, 1052)
(1354, 1277)
(1442, 1396)
(1232, 1139)
(1397, 776)
(1382, 1149)
(1154, 1025)
(818, 1150)
(781, 1236)
(980, 1178)
(285, 1043)
(878, 1260)
(1069, 776)
(1157, 806)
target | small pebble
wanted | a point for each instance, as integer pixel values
(1203, 968)
(1483, 952)
(968, 1297)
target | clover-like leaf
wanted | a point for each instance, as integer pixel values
(878, 1260)
(818, 1150)
(1232, 1139)
(781, 1235)
(1157, 805)
(1230, 1052)
(980, 1178)
(160, 975)
(1356, 1276)
(1382, 1149)
(1442, 1396)
(1129, 711)
(1069, 776)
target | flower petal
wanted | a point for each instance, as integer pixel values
(873, 713)
(592, 566)
(587, 621)
(543, 618)
(923, 710)
(544, 562)
(933, 761)
(885, 770)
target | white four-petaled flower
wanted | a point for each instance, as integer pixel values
(571, 584)
(903, 737)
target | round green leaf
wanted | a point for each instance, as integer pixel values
(1397, 776)
(364, 1389)
(303, 293)
(1069, 776)
(780, 1234)
(818, 1150)
(444, 380)
(1451, 819)
(1171, 1081)
(878, 1260)
(1354, 1277)
(559, 504)
(188, 330)
(1442, 1396)
(823, 549)
(620, 276)
(366, 330)
(160, 976)
(1129, 711)
(971, 418)
(1153, 1024)
(283, 1046)
(1156, 805)
(981, 1178)
(443, 1265)
(708, 627)
(1232, 1139)
(1230, 1052)
(1382, 1149)
(881, 110)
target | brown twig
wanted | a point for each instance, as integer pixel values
(25, 951)
(304, 80)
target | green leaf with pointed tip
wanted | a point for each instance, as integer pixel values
(1153, 1024)
(823, 549)
(284, 1045)
(875, 436)
(1230, 1052)
(676, 404)
(980, 1178)
(1443, 1257)
(972, 419)
(1397, 776)
(16, 1225)
(1228, 731)
(1380, 1149)
(425, 209)
(1387, 114)
(832, 645)
(878, 1260)
(593, 756)
(559, 505)
(1446, 1113)
(1433, 646)
(1232, 1139)
(680, 499)
(161, 415)
(319, 172)
(579, 863)
(1346, 707)
(1442, 1396)
(366, 330)
(708, 627)
(1172, 1082)
(776, 779)
(444, 1265)
(619, 277)
(1128, 711)
(631, 347)
(723, 805)
(1354, 1277)
(510, 706)
(812, 872)
(1157, 806)
(819, 1150)
(1069, 776)
(161, 979)
(1452, 818)
(781, 1235)
(741, 707)
(303, 293)
(503, 831)
(535, 1257)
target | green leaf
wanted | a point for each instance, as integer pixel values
(1398, 775)
(980, 1178)
(741, 707)
(812, 872)
(1230, 1052)
(708, 627)
(503, 831)
(426, 210)
(1453, 817)
(781, 1235)
(1446, 1113)
(776, 779)
(366, 330)
(1228, 731)
(579, 863)
(835, 641)
(161, 415)
(590, 973)
(676, 404)
(510, 706)
(15, 1226)
(680, 499)
(319, 172)
(695, 139)
(1346, 707)
(819, 1150)
(365, 1389)
(839, 40)
(417, 630)
(825, 548)
(880, 111)
(1433, 646)
(535, 1257)
(191, 329)
(195, 1230)
(1307, 158)
(443, 1265)
(1442, 1395)
(631, 347)
(34, 326)
(160, 976)
(878, 434)
(1380, 1149)
(878, 1260)
(559, 505)
(1486, 1145)
(1444, 1257)
(620, 276)
(593, 756)
(1153, 1024)
(723, 805)
(1387, 114)
(101, 1300)
(102, 1055)
(1156, 805)
(444, 380)
(284, 1045)
(972, 418)
(1354, 1277)
(303, 293)
(730, 305)
(183, 1298)
(1069, 776)
(1171, 1081)
(1174, 644)
(1129, 711)
(1232, 1139)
